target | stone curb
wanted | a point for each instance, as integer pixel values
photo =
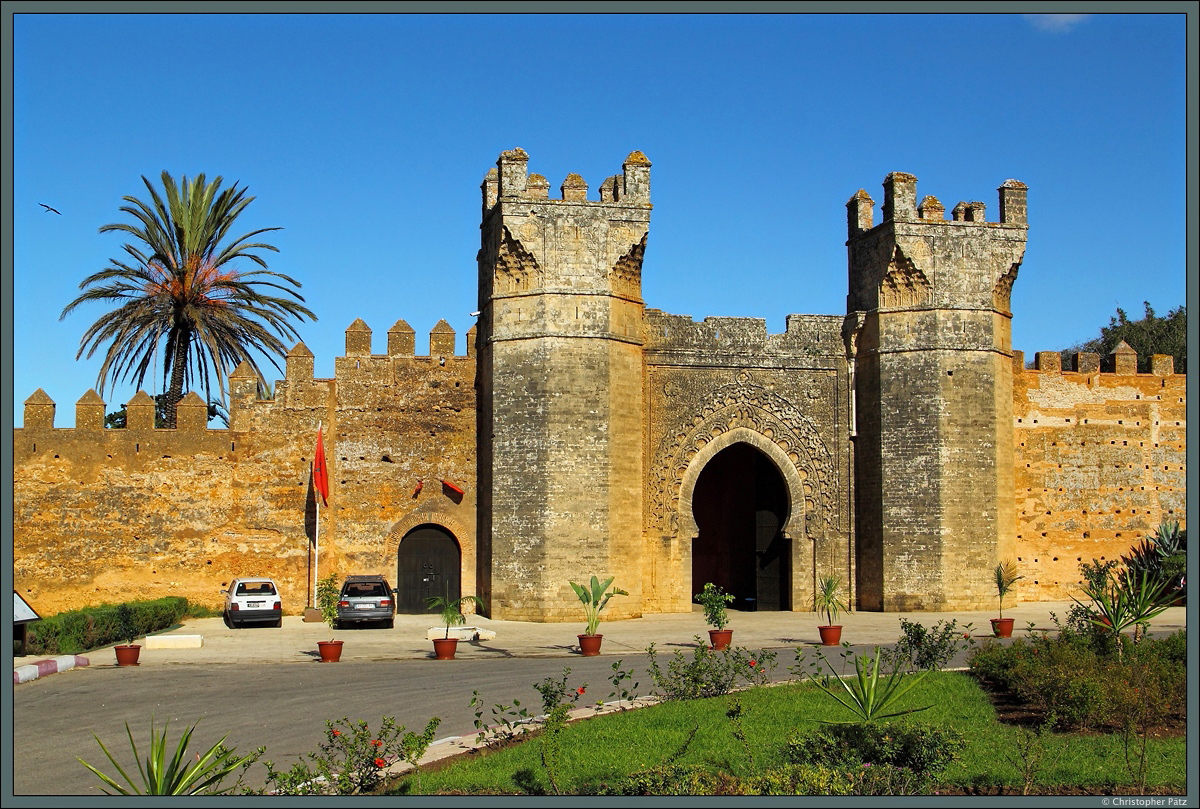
(40, 668)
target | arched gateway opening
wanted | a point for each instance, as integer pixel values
(740, 503)
(429, 563)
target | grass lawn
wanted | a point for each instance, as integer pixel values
(606, 748)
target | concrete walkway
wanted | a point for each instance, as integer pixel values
(208, 641)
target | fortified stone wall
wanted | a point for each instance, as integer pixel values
(1100, 463)
(903, 447)
(118, 514)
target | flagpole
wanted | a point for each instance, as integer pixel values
(317, 532)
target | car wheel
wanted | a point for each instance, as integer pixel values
(389, 623)
(279, 622)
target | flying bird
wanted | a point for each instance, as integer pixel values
(48, 208)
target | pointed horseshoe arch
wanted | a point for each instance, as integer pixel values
(686, 519)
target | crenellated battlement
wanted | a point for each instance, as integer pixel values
(900, 205)
(805, 335)
(511, 180)
(298, 389)
(1123, 361)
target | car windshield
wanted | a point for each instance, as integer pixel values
(255, 588)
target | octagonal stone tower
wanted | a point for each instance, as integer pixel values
(929, 330)
(560, 389)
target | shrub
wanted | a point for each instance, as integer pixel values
(1090, 687)
(923, 749)
(922, 648)
(353, 759)
(94, 627)
(710, 673)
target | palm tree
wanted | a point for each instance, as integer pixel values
(180, 286)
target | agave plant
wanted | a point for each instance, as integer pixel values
(1127, 598)
(868, 695)
(177, 775)
(594, 598)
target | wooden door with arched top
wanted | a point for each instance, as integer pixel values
(429, 563)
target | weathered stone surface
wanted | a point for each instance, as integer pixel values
(902, 447)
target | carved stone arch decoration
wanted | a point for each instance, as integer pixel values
(517, 269)
(746, 412)
(418, 518)
(904, 284)
(792, 526)
(1002, 291)
(625, 276)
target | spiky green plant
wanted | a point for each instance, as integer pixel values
(828, 598)
(868, 695)
(176, 774)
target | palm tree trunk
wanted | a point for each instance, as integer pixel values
(178, 366)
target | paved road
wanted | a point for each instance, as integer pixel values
(263, 686)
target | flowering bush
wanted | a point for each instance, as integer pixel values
(353, 759)
(554, 692)
(710, 673)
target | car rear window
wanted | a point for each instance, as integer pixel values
(255, 588)
(365, 590)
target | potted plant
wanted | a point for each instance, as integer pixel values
(1005, 576)
(452, 615)
(127, 653)
(714, 599)
(328, 593)
(594, 597)
(828, 599)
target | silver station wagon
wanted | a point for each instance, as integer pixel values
(366, 599)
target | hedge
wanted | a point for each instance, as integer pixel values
(95, 627)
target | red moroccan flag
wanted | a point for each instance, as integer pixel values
(320, 474)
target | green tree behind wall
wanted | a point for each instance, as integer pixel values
(1150, 335)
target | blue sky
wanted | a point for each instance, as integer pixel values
(366, 138)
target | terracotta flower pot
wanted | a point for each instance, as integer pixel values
(127, 655)
(720, 638)
(589, 645)
(444, 648)
(331, 650)
(830, 635)
(1002, 627)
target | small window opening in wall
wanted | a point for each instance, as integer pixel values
(949, 373)
(386, 459)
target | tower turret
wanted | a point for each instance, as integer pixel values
(560, 388)
(929, 330)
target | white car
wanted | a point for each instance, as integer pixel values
(253, 600)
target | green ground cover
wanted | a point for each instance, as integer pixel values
(602, 750)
